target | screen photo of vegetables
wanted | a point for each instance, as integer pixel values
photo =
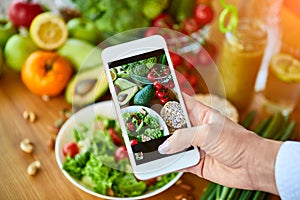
(149, 102)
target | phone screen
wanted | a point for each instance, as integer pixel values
(148, 98)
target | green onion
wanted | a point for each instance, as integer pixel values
(248, 120)
(209, 189)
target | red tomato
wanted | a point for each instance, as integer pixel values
(151, 181)
(206, 54)
(120, 153)
(171, 84)
(163, 20)
(114, 136)
(133, 142)
(161, 93)
(131, 126)
(21, 13)
(157, 85)
(203, 14)
(151, 31)
(193, 80)
(70, 149)
(163, 100)
(190, 25)
(152, 75)
(176, 59)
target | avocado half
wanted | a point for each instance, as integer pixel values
(86, 87)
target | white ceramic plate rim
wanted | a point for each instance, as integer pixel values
(84, 115)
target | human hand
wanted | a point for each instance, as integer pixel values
(230, 154)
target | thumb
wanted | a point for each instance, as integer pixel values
(184, 138)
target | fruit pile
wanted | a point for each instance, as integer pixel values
(45, 48)
(50, 48)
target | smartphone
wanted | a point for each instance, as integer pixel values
(148, 103)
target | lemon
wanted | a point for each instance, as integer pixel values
(286, 67)
(48, 31)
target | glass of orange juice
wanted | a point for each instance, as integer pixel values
(240, 60)
(283, 83)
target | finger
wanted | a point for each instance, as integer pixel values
(184, 138)
(196, 110)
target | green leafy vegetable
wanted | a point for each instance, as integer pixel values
(95, 166)
(75, 165)
(128, 186)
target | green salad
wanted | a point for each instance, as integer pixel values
(101, 161)
(142, 126)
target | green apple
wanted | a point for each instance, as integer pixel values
(81, 54)
(1, 61)
(17, 49)
(84, 29)
(7, 29)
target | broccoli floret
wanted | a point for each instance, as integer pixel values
(151, 121)
(153, 133)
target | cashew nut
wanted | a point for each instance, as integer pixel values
(26, 145)
(26, 114)
(30, 116)
(33, 168)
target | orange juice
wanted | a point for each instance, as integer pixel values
(290, 26)
(240, 61)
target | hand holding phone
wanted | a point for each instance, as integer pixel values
(148, 103)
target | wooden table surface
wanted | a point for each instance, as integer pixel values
(49, 182)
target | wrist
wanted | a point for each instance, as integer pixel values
(261, 166)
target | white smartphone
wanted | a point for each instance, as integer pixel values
(148, 103)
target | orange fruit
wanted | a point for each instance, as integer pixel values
(46, 73)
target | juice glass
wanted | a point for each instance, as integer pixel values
(240, 61)
(282, 90)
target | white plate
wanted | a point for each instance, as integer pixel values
(65, 135)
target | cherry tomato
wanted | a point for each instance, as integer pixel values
(157, 85)
(151, 181)
(70, 149)
(190, 25)
(203, 14)
(161, 93)
(206, 54)
(171, 84)
(131, 126)
(133, 142)
(120, 153)
(151, 76)
(163, 20)
(151, 31)
(163, 100)
(21, 13)
(176, 59)
(114, 136)
(193, 80)
(166, 72)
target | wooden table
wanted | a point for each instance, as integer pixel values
(49, 183)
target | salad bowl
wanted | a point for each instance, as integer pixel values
(65, 135)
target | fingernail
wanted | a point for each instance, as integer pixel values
(164, 147)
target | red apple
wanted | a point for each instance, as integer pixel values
(21, 12)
